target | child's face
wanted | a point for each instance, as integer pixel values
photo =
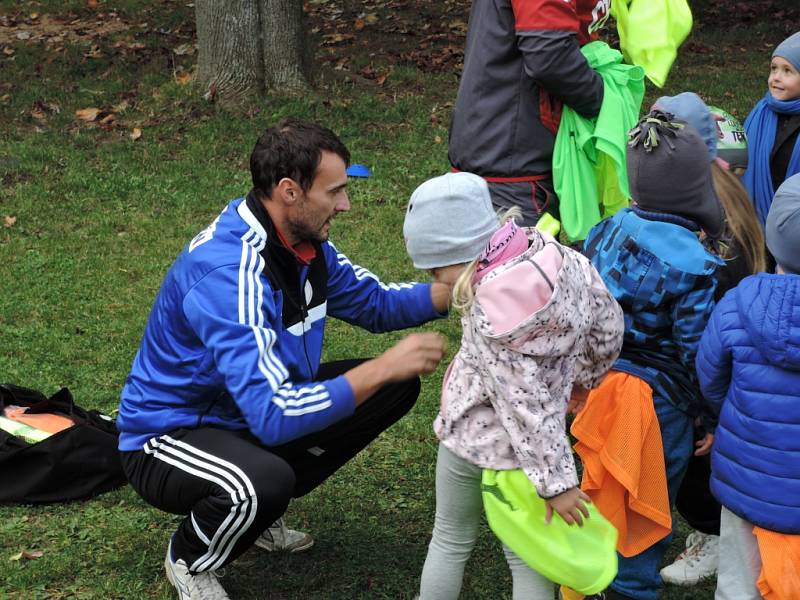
(784, 80)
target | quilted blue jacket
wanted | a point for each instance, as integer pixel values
(748, 365)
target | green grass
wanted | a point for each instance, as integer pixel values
(99, 219)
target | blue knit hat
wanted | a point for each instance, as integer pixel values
(689, 107)
(783, 225)
(448, 221)
(790, 50)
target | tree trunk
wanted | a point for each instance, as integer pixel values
(250, 46)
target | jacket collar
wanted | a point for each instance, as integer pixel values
(303, 253)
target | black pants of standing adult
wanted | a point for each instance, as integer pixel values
(695, 502)
(231, 487)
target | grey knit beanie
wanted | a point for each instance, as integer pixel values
(669, 172)
(449, 219)
(783, 225)
(789, 49)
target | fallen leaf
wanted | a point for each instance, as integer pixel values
(23, 35)
(92, 3)
(47, 107)
(94, 52)
(437, 140)
(27, 555)
(33, 16)
(5, 98)
(121, 107)
(183, 78)
(8, 221)
(381, 80)
(87, 114)
(184, 49)
(337, 38)
(371, 18)
(109, 118)
(359, 24)
(8, 51)
(136, 134)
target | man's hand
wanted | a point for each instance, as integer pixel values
(571, 505)
(413, 355)
(578, 399)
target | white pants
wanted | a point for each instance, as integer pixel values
(739, 559)
(459, 509)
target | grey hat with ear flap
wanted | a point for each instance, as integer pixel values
(448, 221)
(669, 171)
(783, 225)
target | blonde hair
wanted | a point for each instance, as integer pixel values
(741, 221)
(463, 290)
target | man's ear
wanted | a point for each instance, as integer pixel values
(287, 191)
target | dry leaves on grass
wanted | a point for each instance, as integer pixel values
(136, 134)
(8, 221)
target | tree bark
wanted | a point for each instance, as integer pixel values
(250, 47)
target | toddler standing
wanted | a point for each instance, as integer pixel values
(537, 320)
(652, 260)
(749, 370)
(773, 126)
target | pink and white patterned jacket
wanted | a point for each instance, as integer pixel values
(540, 322)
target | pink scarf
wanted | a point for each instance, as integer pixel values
(506, 243)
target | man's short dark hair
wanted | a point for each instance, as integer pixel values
(292, 148)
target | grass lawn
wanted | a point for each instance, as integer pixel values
(91, 218)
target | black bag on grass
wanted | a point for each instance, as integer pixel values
(75, 463)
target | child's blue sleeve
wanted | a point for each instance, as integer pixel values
(714, 359)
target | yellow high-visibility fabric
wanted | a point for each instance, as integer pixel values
(650, 33)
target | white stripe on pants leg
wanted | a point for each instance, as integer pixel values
(225, 474)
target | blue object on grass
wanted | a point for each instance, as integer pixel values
(358, 171)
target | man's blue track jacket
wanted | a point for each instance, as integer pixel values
(234, 338)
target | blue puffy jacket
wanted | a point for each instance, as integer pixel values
(749, 370)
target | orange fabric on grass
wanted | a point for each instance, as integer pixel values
(619, 442)
(780, 565)
(49, 422)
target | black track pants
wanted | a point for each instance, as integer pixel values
(232, 488)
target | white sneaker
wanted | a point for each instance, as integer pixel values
(279, 537)
(200, 586)
(698, 561)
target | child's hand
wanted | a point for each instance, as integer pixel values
(704, 446)
(577, 400)
(569, 505)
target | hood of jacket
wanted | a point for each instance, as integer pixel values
(522, 302)
(768, 307)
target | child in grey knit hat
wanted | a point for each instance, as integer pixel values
(536, 319)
